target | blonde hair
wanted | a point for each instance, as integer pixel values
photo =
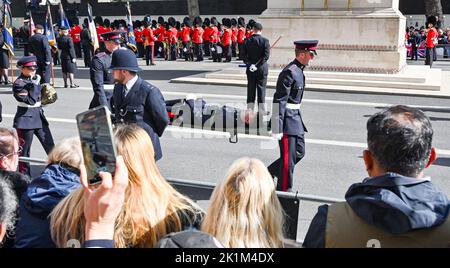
(152, 209)
(245, 210)
(67, 152)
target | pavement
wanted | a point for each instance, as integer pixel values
(334, 143)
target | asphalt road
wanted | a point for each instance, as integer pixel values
(335, 141)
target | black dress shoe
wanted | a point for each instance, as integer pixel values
(74, 86)
(66, 86)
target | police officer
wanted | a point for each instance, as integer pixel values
(102, 78)
(40, 48)
(29, 119)
(256, 54)
(290, 129)
(135, 101)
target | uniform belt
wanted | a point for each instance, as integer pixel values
(36, 105)
(108, 87)
(293, 106)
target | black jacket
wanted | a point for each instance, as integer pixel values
(144, 105)
(40, 48)
(28, 117)
(290, 89)
(101, 75)
(65, 44)
(257, 51)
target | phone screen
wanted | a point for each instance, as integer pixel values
(95, 129)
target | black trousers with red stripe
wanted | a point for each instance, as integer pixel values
(45, 138)
(292, 150)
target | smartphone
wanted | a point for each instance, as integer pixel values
(97, 142)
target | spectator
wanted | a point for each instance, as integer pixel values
(9, 160)
(245, 210)
(59, 179)
(8, 205)
(153, 208)
(396, 206)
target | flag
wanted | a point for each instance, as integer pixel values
(92, 29)
(31, 25)
(131, 38)
(7, 27)
(49, 31)
(63, 18)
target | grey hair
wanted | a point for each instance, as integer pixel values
(8, 205)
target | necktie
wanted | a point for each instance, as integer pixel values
(124, 91)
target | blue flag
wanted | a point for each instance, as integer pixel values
(131, 38)
(64, 21)
(49, 32)
(7, 27)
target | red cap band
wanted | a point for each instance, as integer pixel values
(31, 63)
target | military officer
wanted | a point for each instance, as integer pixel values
(29, 119)
(289, 127)
(102, 78)
(135, 101)
(40, 48)
(256, 54)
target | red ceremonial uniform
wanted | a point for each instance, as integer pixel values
(234, 34)
(185, 34)
(249, 34)
(431, 36)
(207, 34)
(226, 37)
(171, 36)
(160, 33)
(241, 35)
(138, 35)
(75, 33)
(148, 37)
(197, 35)
(100, 31)
(214, 34)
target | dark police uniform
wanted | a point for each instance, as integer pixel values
(287, 100)
(102, 78)
(29, 119)
(256, 51)
(143, 104)
(41, 49)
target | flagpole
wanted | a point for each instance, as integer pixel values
(12, 66)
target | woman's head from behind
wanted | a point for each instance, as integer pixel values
(67, 152)
(245, 210)
(151, 203)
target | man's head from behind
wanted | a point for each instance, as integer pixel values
(9, 150)
(8, 206)
(400, 141)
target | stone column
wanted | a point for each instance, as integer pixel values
(367, 38)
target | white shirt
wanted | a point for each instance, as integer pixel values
(129, 85)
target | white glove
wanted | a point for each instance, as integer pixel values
(253, 68)
(213, 49)
(47, 63)
(74, 60)
(36, 80)
(277, 136)
(185, 50)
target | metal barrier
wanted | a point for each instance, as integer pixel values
(200, 191)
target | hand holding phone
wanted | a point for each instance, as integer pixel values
(97, 142)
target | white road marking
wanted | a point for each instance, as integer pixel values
(175, 129)
(180, 94)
